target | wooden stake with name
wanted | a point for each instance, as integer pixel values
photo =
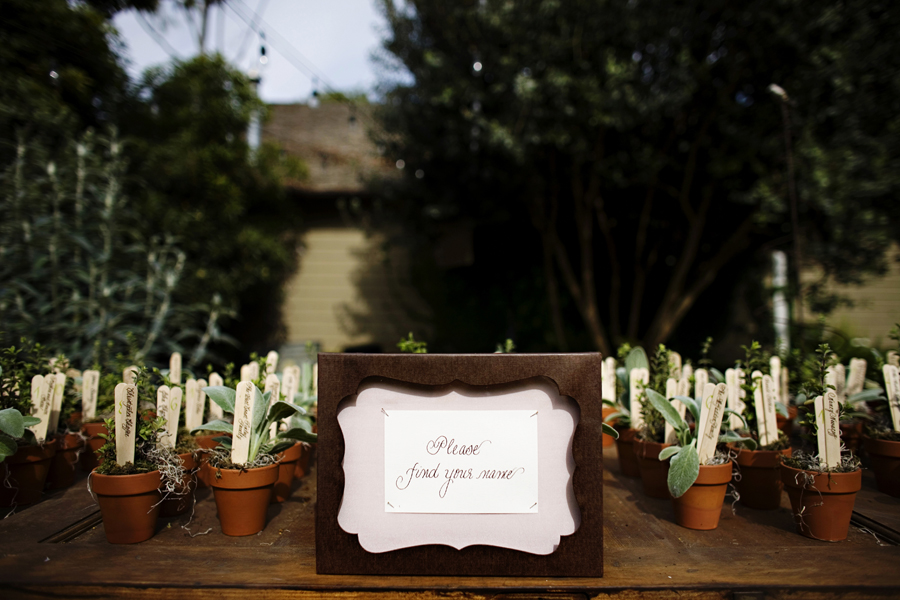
(129, 373)
(701, 378)
(243, 423)
(687, 371)
(675, 366)
(769, 412)
(857, 378)
(162, 411)
(271, 362)
(90, 388)
(175, 368)
(684, 386)
(201, 383)
(635, 391)
(607, 379)
(785, 387)
(58, 386)
(290, 381)
(731, 384)
(273, 386)
(893, 358)
(126, 422)
(42, 403)
(193, 408)
(892, 388)
(315, 379)
(215, 411)
(775, 372)
(828, 431)
(712, 408)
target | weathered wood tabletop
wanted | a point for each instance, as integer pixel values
(58, 549)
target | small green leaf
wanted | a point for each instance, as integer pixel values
(280, 446)
(8, 446)
(223, 396)
(716, 375)
(30, 421)
(12, 423)
(669, 451)
(665, 407)
(616, 415)
(282, 410)
(260, 407)
(684, 468)
(217, 425)
(300, 435)
(729, 411)
(610, 431)
(732, 436)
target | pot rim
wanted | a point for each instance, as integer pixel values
(124, 485)
(713, 475)
(823, 482)
(882, 447)
(34, 453)
(239, 479)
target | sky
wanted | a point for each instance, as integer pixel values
(310, 44)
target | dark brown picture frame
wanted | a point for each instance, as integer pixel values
(575, 375)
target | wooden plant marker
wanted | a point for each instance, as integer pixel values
(857, 378)
(769, 398)
(828, 430)
(671, 392)
(775, 372)
(243, 423)
(893, 358)
(607, 379)
(712, 408)
(90, 388)
(635, 391)
(42, 401)
(126, 422)
(892, 387)
(193, 406)
(215, 411)
(201, 383)
(785, 387)
(162, 410)
(701, 378)
(175, 368)
(687, 371)
(245, 373)
(290, 381)
(315, 379)
(57, 387)
(274, 386)
(684, 386)
(129, 373)
(675, 366)
(271, 362)
(731, 383)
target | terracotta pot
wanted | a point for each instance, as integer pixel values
(786, 424)
(851, 435)
(654, 472)
(25, 473)
(286, 468)
(822, 508)
(701, 505)
(759, 484)
(242, 497)
(205, 442)
(179, 502)
(608, 440)
(129, 505)
(625, 449)
(884, 456)
(90, 460)
(62, 467)
(301, 467)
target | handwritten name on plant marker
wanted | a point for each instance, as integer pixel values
(58, 386)
(857, 378)
(771, 415)
(893, 358)
(129, 373)
(636, 381)
(193, 407)
(162, 411)
(126, 422)
(215, 411)
(759, 404)
(271, 362)
(701, 378)
(273, 386)
(712, 409)
(775, 372)
(675, 366)
(828, 429)
(243, 423)
(176, 397)
(607, 379)
(291, 390)
(90, 387)
(892, 387)
(684, 385)
(671, 392)
(175, 368)
(42, 403)
(785, 386)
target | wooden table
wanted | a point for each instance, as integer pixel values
(57, 549)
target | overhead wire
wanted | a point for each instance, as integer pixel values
(157, 37)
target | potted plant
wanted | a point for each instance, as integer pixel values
(620, 418)
(70, 444)
(650, 438)
(26, 456)
(882, 441)
(245, 468)
(699, 474)
(134, 471)
(822, 485)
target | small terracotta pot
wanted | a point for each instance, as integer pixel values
(884, 456)
(608, 440)
(625, 449)
(90, 460)
(242, 497)
(654, 472)
(179, 502)
(301, 467)
(701, 505)
(759, 484)
(822, 508)
(25, 473)
(286, 468)
(786, 424)
(851, 435)
(62, 467)
(129, 505)
(205, 442)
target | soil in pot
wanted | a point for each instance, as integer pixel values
(701, 505)
(884, 459)
(242, 497)
(281, 491)
(759, 483)
(62, 467)
(625, 449)
(301, 467)
(178, 503)
(822, 503)
(654, 472)
(25, 473)
(129, 505)
(90, 460)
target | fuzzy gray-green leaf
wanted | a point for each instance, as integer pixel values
(12, 423)
(223, 396)
(665, 407)
(684, 468)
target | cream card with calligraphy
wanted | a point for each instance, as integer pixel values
(126, 422)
